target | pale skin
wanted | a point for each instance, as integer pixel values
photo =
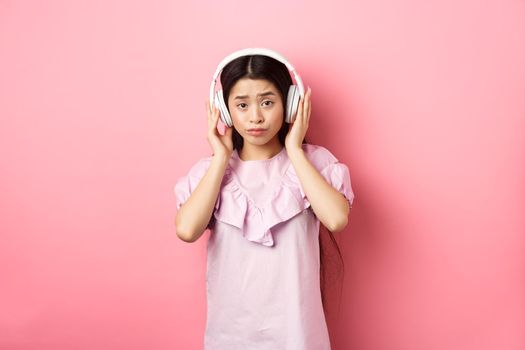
(254, 111)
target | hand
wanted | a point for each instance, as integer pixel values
(296, 133)
(221, 144)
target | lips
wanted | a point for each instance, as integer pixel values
(256, 132)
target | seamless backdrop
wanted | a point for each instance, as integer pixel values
(102, 109)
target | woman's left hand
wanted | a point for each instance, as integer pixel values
(296, 133)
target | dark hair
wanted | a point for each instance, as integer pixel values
(268, 68)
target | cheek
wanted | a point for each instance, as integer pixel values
(278, 113)
(279, 108)
(236, 119)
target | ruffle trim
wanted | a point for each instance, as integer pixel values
(235, 208)
(256, 222)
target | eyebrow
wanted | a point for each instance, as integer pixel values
(267, 93)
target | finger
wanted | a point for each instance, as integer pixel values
(303, 109)
(216, 117)
(227, 133)
(308, 108)
(212, 119)
(208, 115)
(213, 109)
(308, 103)
(209, 107)
(208, 110)
(213, 115)
(216, 114)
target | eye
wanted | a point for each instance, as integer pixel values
(241, 104)
(271, 102)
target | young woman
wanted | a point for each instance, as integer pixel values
(263, 194)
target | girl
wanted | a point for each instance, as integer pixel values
(263, 194)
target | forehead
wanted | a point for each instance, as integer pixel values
(251, 87)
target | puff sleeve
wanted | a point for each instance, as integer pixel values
(338, 175)
(335, 173)
(186, 184)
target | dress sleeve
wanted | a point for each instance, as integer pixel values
(335, 173)
(338, 175)
(186, 184)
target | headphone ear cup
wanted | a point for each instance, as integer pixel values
(225, 115)
(292, 103)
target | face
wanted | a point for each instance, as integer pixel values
(256, 103)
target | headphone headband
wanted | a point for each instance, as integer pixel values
(255, 51)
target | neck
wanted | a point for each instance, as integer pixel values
(255, 152)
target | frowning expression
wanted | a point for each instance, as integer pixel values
(256, 104)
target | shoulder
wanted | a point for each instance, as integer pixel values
(189, 180)
(319, 155)
(198, 168)
(201, 165)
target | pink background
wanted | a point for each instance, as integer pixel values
(102, 109)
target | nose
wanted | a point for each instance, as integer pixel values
(256, 116)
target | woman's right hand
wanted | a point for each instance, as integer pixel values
(221, 144)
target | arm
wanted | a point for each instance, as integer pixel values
(194, 215)
(330, 206)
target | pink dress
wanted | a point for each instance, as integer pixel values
(262, 278)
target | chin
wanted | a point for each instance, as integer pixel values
(256, 140)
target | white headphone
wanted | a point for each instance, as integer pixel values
(295, 92)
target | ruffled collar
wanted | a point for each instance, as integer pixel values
(236, 208)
